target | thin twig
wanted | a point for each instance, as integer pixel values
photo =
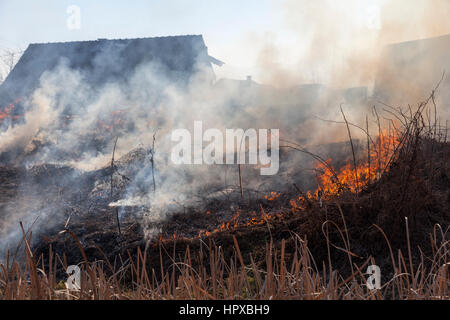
(355, 168)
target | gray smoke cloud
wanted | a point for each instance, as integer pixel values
(150, 106)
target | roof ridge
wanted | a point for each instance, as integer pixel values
(419, 40)
(118, 39)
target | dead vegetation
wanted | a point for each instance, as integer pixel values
(390, 209)
(218, 276)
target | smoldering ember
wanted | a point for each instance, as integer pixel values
(112, 159)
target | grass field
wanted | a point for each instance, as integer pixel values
(390, 210)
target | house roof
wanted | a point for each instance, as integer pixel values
(409, 71)
(104, 60)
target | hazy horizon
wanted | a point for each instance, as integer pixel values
(282, 42)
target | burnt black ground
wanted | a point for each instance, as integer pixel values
(384, 203)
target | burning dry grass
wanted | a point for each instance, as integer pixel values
(390, 209)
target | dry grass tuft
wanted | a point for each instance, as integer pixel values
(219, 278)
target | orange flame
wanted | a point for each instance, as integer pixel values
(331, 183)
(6, 112)
(273, 196)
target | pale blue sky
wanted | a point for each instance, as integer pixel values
(225, 24)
